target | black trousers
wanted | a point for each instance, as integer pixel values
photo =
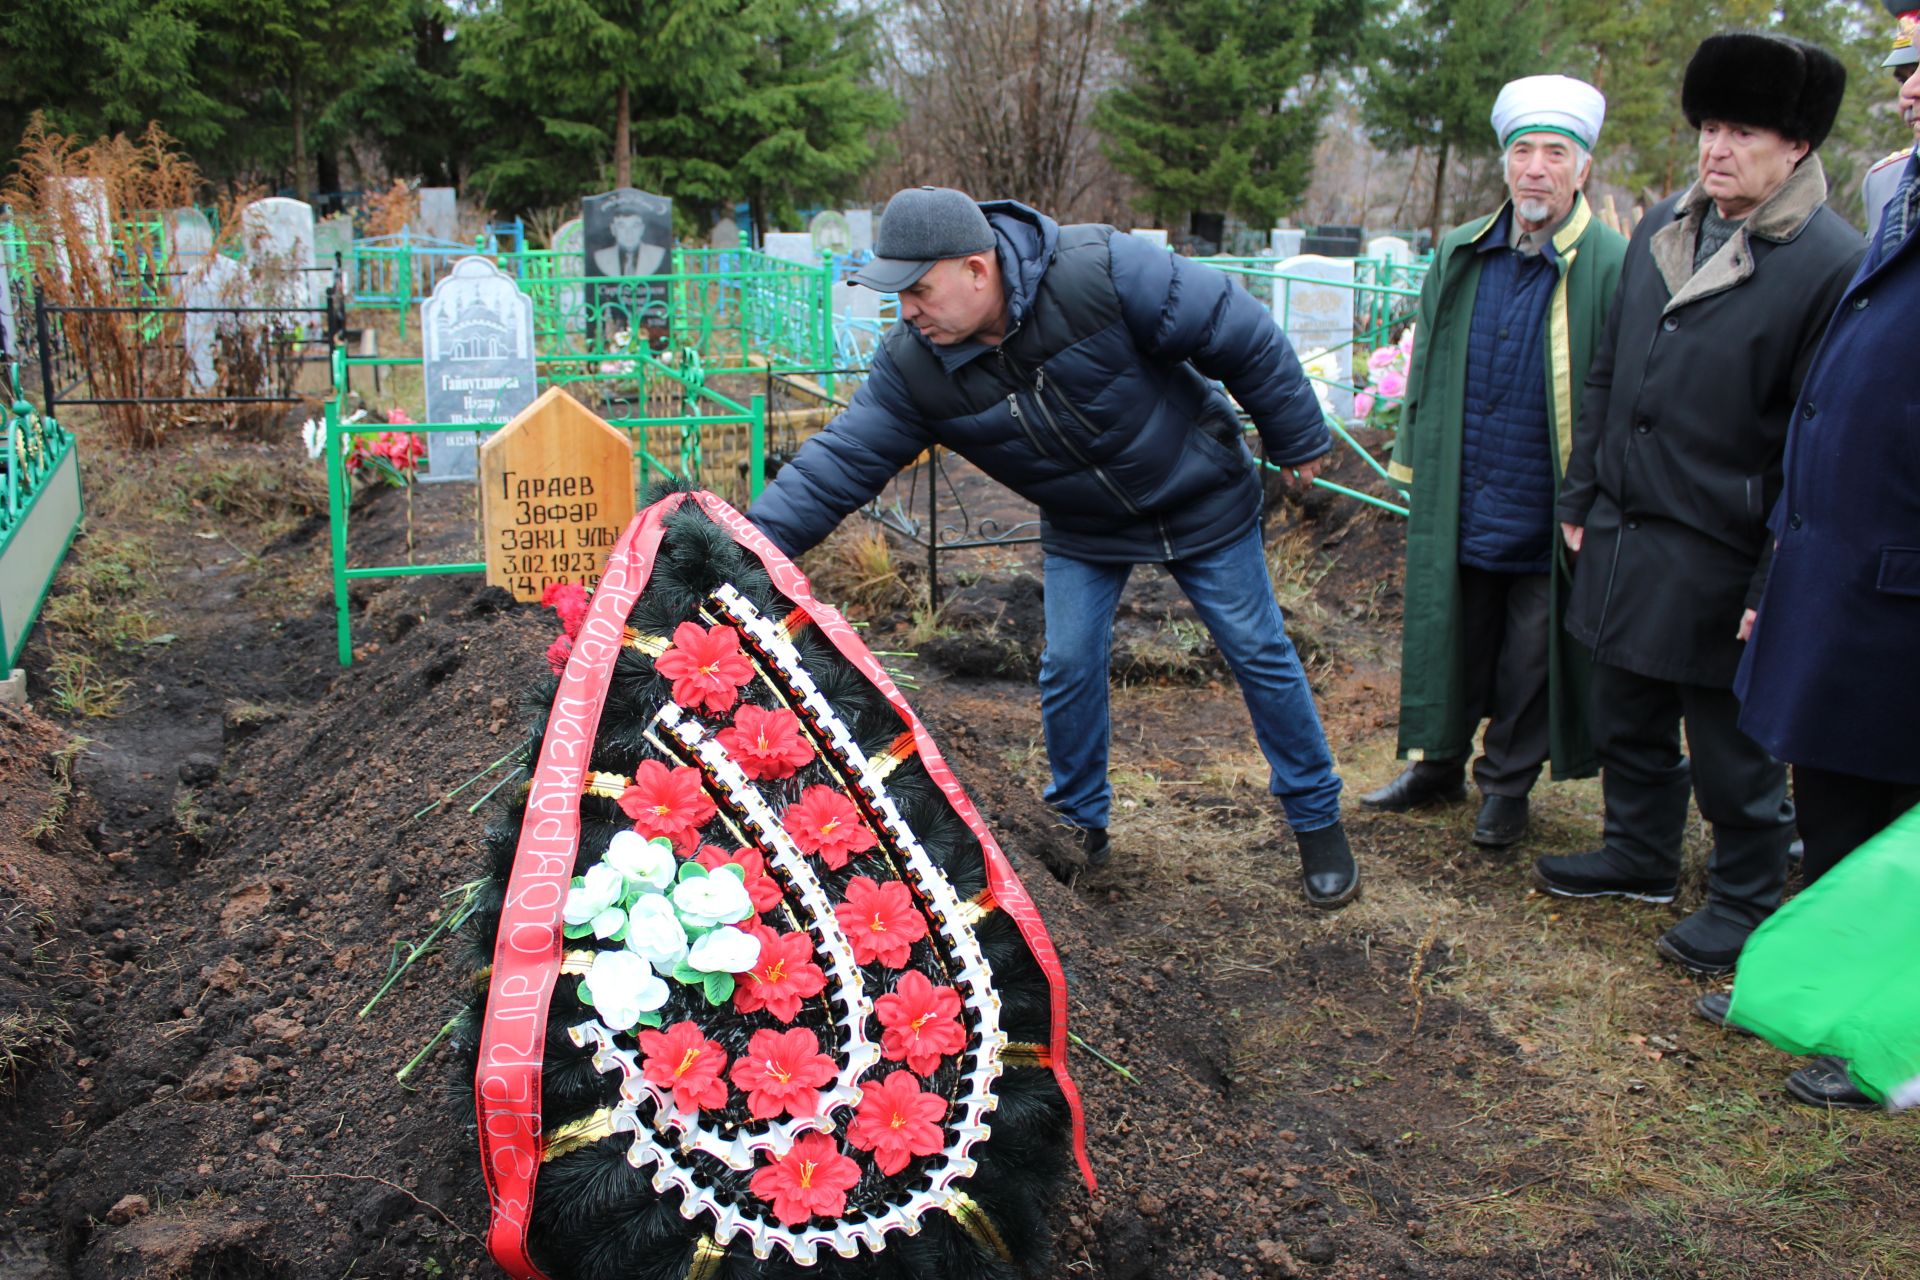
(1741, 790)
(1839, 812)
(1505, 619)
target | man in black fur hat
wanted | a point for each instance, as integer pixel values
(1676, 464)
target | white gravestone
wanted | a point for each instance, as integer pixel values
(476, 336)
(725, 234)
(279, 239)
(214, 281)
(1318, 320)
(189, 242)
(830, 232)
(860, 227)
(86, 210)
(9, 337)
(1152, 235)
(439, 215)
(1286, 241)
(1392, 248)
(791, 246)
(333, 242)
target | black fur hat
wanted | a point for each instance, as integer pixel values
(1767, 81)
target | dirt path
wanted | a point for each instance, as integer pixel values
(1450, 1079)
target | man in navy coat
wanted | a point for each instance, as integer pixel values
(1830, 681)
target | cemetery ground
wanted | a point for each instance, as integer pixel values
(215, 844)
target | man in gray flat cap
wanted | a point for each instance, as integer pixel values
(1075, 365)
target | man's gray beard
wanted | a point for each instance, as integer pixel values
(1533, 210)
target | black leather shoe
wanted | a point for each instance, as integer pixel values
(1411, 791)
(1097, 849)
(1824, 1082)
(1713, 1007)
(1599, 875)
(1328, 873)
(1502, 821)
(1705, 943)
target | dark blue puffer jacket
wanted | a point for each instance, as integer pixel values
(1098, 407)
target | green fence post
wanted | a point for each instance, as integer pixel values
(757, 455)
(337, 528)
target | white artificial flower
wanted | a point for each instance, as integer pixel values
(596, 901)
(718, 898)
(648, 865)
(621, 987)
(654, 933)
(314, 433)
(725, 950)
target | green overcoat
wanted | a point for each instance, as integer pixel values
(1426, 458)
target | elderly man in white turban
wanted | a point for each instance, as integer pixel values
(1509, 317)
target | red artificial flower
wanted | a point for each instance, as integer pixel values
(667, 802)
(897, 1121)
(825, 822)
(766, 744)
(782, 1071)
(784, 975)
(761, 887)
(813, 1177)
(569, 600)
(705, 665)
(880, 921)
(682, 1059)
(921, 1021)
(558, 652)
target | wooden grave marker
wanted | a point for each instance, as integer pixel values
(556, 489)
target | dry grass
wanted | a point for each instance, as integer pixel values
(48, 823)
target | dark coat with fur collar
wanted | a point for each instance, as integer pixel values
(1676, 459)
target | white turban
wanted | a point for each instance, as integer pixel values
(1549, 104)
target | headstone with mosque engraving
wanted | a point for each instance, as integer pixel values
(1317, 315)
(830, 233)
(627, 233)
(476, 335)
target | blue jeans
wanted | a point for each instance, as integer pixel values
(1232, 594)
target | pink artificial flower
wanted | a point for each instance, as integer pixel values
(880, 921)
(782, 1072)
(682, 1059)
(705, 665)
(767, 745)
(812, 1178)
(397, 416)
(825, 822)
(1393, 384)
(569, 600)
(558, 652)
(1362, 403)
(668, 802)
(922, 1023)
(1383, 358)
(784, 975)
(1406, 339)
(762, 888)
(897, 1121)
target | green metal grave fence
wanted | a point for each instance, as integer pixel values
(720, 444)
(40, 511)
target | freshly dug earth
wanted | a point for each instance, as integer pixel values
(247, 852)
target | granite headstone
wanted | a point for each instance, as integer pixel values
(628, 234)
(1318, 320)
(476, 336)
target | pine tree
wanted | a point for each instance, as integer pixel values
(1220, 107)
(1443, 64)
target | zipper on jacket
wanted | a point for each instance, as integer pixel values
(1053, 424)
(1013, 403)
(1040, 386)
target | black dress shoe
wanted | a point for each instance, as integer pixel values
(1413, 791)
(1097, 849)
(1713, 1007)
(1599, 875)
(1502, 821)
(1824, 1082)
(1706, 943)
(1328, 874)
